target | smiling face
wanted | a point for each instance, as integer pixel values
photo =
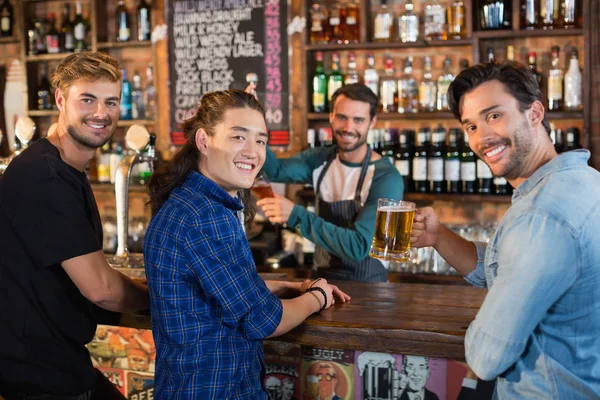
(89, 111)
(499, 133)
(235, 153)
(416, 369)
(350, 122)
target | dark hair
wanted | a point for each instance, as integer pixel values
(358, 92)
(515, 77)
(210, 113)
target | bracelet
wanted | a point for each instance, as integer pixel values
(312, 289)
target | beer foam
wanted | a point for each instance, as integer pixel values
(395, 208)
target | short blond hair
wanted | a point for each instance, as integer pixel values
(87, 66)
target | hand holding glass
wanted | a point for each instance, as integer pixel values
(262, 187)
(393, 227)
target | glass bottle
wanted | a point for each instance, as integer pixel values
(403, 160)
(66, 30)
(443, 83)
(319, 24)
(463, 64)
(427, 89)
(530, 13)
(126, 100)
(388, 149)
(485, 179)
(573, 83)
(419, 163)
(352, 74)
(435, 21)
(389, 88)
(144, 21)
(406, 89)
(456, 20)
(6, 19)
(371, 76)
(452, 162)
(351, 28)
(383, 24)
(435, 161)
(150, 95)
(122, 18)
(569, 14)
(319, 86)
(501, 185)
(137, 98)
(532, 66)
(468, 167)
(549, 14)
(408, 24)
(80, 29)
(510, 52)
(52, 36)
(555, 82)
(335, 79)
(490, 54)
(44, 91)
(572, 141)
(335, 21)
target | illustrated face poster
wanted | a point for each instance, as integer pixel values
(282, 363)
(327, 374)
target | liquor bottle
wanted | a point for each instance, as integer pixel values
(501, 186)
(319, 24)
(572, 142)
(103, 163)
(144, 21)
(484, 177)
(490, 54)
(555, 82)
(388, 150)
(468, 167)
(389, 88)
(408, 24)
(319, 86)
(549, 14)
(125, 111)
(351, 23)
(569, 14)
(560, 140)
(510, 52)
(456, 20)
(44, 91)
(435, 161)
(573, 83)
(463, 64)
(419, 164)
(443, 83)
(403, 160)
(371, 76)
(530, 12)
(383, 23)
(137, 98)
(40, 36)
(335, 18)
(496, 15)
(435, 21)
(452, 162)
(352, 74)
(80, 29)
(6, 19)
(407, 101)
(427, 89)
(150, 95)
(52, 36)
(335, 79)
(66, 30)
(311, 138)
(123, 27)
(532, 66)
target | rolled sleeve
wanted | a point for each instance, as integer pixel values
(477, 276)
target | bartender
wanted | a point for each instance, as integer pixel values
(348, 178)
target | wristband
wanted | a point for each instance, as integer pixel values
(315, 288)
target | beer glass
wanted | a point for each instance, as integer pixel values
(393, 227)
(262, 187)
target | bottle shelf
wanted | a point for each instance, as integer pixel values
(46, 57)
(431, 197)
(393, 116)
(129, 122)
(388, 45)
(524, 33)
(124, 45)
(564, 115)
(8, 40)
(42, 113)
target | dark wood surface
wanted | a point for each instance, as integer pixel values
(400, 318)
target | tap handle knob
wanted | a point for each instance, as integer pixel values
(152, 140)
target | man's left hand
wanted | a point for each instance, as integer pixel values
(277, 209)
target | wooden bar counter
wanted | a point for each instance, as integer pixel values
(397, 318)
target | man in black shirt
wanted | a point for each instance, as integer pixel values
(53, 274)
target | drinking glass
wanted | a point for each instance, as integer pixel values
(393, 227)
(262, 186)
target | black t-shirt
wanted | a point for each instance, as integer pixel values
(48, 214)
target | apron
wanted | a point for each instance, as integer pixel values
(343, 213)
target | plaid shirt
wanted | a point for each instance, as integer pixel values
(210, 309)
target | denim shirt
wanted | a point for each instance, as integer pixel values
(538, 330)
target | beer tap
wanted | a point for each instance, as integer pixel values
(24, 132)
(137, 138)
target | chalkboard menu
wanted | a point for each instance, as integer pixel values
(214, 44)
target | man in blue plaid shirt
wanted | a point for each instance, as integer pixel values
(210, 309)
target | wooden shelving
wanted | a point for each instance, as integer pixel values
(388, 45)
(42, 113)
(510, 33)
(9, 40)
(129, 122)
(46, 57)
(124, 45)
(393, 116)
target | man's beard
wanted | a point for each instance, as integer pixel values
(362, 139)
(88, 142)
(522, 143)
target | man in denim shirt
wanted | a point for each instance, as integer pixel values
(538, 330)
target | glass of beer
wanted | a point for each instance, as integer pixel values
(262, 186)
(393, 227)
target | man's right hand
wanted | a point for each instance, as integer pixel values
(426, 227)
